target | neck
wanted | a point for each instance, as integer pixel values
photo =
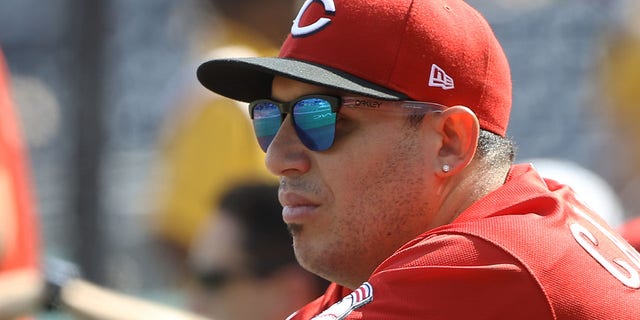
(465, 188)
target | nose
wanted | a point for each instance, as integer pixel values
(286, 154)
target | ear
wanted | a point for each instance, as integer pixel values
(458, 127)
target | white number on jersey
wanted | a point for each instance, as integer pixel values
(625, 268)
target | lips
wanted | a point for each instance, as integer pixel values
(296, 208)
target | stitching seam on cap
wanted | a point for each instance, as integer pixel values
(487, 64)
(401, 43)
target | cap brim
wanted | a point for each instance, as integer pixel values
(248, 79)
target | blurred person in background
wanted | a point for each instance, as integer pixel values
(618, 80)
(208, 142)
(28, 286)
(19, 233)
(243, 263)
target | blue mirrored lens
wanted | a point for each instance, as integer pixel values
(266, 122)
(315, 123)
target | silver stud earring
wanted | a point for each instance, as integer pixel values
(446, 168)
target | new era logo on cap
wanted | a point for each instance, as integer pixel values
(439, 79)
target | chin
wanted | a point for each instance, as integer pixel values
(294, 229)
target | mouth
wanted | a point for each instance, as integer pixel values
(296, 209)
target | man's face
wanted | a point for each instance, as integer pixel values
(231, 291)
(217, 251)
(352, 206)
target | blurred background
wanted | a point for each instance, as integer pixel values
(95, 83)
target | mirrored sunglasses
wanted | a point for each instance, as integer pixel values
(314, 116)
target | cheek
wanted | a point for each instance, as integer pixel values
(382, 173)
(359, 170)
(382, 201)
(377, 190)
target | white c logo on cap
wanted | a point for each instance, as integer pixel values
(298, 31)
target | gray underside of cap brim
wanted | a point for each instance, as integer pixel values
(248, 79)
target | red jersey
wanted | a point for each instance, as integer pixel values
(22, 250)
(528, 250)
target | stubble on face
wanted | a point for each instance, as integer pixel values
(379, 207)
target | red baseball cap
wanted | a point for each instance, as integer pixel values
(440, 51)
